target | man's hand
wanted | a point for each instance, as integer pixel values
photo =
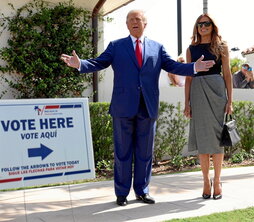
(72, 61)
(249, 76)
(202, 66)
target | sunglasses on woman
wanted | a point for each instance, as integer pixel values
(206, 24)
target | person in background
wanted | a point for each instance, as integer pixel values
(137, 62)
(208, 96)
(177, 80)
(244, 78)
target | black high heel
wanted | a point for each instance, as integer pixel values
(218, 196)
(207, 196)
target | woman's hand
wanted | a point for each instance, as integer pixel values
(187, 111)
(229, 108)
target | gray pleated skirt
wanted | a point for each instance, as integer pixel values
(207, 99)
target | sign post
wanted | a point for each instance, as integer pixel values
(44, 141)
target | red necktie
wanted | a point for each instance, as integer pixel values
(138, 52)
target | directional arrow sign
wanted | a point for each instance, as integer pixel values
(42, 151)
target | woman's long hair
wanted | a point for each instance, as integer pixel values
(217, 44)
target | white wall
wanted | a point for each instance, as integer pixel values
(250, 59)
(167, 93)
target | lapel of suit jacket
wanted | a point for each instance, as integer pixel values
(130, 49)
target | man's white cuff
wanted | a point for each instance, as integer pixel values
(195, 72)
(79, 68)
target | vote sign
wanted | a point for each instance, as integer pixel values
(44, 141)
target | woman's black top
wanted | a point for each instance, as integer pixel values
(203, 49)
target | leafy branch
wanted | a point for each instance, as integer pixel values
(39, 33)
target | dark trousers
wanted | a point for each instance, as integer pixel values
(133, 140)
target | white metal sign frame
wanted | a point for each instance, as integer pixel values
(44, 141)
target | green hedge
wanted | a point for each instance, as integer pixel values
(102, 135)
(244, 115)
(171, 135)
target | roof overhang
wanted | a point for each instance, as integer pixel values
(108, 7)
(248, 51)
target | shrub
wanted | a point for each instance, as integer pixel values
(160, 145)
(244, 115)
(177, 162)
(39, 33)
(241, 156)
(237, 158)
(235, 64)
(169, 140)
(102, 134)
(170, 136)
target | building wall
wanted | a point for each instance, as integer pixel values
(250, 59)
(167, 93)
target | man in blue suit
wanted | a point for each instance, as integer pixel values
(135, 101)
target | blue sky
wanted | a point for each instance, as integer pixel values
(234, 19)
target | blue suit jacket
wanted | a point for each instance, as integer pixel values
(129, 79)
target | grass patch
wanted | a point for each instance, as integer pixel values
(243, 215)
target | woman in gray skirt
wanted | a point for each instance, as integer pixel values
(208, 96)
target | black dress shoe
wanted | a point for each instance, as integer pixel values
(121, 200)
(145, 198)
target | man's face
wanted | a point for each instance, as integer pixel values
(245, 69)
(136, 24)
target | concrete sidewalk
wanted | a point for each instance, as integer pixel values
(176, 195)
